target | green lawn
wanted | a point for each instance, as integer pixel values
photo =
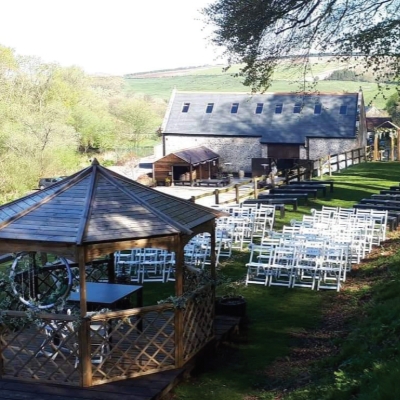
(368, 363)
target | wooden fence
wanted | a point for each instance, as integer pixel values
(306, 171)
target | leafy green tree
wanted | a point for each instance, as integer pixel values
(258, 33)
(393, 108)
(136, 120)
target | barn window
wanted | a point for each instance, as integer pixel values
(185, 107)
(234, 108)
(259, 108)
(209, 108)
(297, 108)
(343, 110)
(317, 108)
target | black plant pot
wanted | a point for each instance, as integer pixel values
(234, 306)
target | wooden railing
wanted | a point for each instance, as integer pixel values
(61, 348)
(232, 194)
(327, 164)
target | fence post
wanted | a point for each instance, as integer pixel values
(256, 187)
(216, 193)
(329, 165)
(237, 193)
(345, 159)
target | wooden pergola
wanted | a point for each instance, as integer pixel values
(385, 129)
(84, 217)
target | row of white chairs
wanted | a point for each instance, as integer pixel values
(145, 264)
(317, 251)
(293, 263)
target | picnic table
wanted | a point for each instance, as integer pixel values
(330, 183)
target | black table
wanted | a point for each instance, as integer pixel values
(99, 295)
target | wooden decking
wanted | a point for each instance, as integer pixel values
(149, 387)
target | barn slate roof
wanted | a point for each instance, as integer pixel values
(270, 127)
(196, 155)
(98, 205)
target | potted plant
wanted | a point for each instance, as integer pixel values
(230, 302)
(167, 181)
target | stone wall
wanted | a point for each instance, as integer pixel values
(237, 151)
(319, 147)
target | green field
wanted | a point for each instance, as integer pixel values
(285, 80)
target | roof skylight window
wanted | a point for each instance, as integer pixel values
(343, 110)
(317, 108)
(209, 108)
(259, 108)
(279, 108)
(234, 108)
(297, 108)
(185, 107)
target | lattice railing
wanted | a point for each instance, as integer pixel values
(122, 344)
(42, 350)
(198, 323)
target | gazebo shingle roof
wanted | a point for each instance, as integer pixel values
(98, 205)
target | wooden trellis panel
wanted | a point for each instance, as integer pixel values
(198, 323)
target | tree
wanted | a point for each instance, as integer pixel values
(258, 33)
(393, 108)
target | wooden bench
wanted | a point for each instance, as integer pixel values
(386, 196)
(287, 200)
(184, 183)
(293, 191)
(330, 183)
(307, 186)
(391, 202)
(303, 196)
(212, 182)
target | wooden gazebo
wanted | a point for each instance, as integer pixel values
(186, 165)
(84, 217)
(393, 131)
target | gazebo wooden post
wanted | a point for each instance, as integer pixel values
(213, 260)
(376, 145)
(179, 329)
(391, 147)
(84, 328)
(111, 269)
(398, 144)
(191, 174)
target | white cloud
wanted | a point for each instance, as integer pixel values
(115, 37)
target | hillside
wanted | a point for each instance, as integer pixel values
(287, 78)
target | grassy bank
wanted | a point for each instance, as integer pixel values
(302, 344)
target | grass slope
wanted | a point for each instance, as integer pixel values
(214, 79)
(301, 344)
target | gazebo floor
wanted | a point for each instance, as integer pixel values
(148, 387)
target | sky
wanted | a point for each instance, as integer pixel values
(109, 36)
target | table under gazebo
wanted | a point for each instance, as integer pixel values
(84, 219)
